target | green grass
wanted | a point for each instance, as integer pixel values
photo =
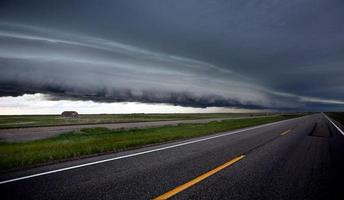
(99, 140)
(338, 116)
(19, 121)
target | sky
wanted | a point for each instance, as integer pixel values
(171, 56)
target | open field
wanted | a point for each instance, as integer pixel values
(21, 121)
(38, 133)
(99, 140)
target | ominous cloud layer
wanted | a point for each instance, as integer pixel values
(245, 54)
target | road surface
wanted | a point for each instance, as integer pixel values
(294, 159)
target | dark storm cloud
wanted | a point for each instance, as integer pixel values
(89, 68)
(255, 54)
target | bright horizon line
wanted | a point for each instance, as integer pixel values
(39, 104)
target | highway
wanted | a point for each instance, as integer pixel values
(300, 158)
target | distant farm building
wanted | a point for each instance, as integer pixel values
(71, 114)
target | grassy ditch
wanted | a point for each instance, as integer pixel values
(21, 121)
(338, 116)
(99, 140)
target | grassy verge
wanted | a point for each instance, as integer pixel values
(338, 116)
(20, 121)
(99, 140)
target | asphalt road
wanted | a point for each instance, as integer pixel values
(295, 159)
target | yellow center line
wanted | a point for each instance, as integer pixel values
(286, 132)
(198, 179)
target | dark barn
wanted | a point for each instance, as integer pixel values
(72, 114)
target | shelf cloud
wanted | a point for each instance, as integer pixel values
(279, 56)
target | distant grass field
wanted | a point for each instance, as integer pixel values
(99, 140)
(338, 116)
(19, 121)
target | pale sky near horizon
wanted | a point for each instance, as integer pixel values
(37, 104)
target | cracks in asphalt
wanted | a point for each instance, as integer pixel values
(263, 144)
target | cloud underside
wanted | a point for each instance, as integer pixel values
(126, 95)
(66, 66)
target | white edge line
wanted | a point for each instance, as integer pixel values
(140, 153)
(342, 132)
